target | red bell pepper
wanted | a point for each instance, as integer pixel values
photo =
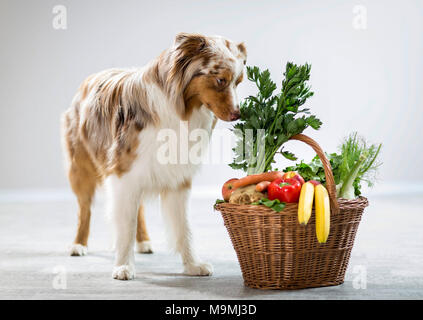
(286, 190)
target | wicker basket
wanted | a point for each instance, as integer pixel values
(276, 252)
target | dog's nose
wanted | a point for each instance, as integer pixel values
(235, 115)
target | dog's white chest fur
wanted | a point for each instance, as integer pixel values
(172, 141)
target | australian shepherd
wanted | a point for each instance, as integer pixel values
(110, 136)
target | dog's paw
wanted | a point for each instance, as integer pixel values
(77, 250)
(144, 247)
(198, 269)
(124, 272)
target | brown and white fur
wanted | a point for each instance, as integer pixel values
(110, 136)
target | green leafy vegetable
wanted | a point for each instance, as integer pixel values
(314, 170)
(272, 204)
(217, 202)
(269, 120)
(357, 162)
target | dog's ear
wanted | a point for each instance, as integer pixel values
(190, 42)
(243, 51)
(188, 47)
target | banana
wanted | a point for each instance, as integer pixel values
(305, 203)
(322, 208)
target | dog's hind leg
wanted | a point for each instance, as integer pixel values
(143, 240)
(174, 207)
(84, 179)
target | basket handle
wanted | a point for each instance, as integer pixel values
(330, 181)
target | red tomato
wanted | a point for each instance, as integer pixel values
(285, 190)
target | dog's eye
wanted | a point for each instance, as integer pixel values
(221, 82)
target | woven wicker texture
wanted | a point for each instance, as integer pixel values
(276, 252)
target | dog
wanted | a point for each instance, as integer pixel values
(110, 137)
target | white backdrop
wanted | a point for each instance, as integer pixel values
(369, 80)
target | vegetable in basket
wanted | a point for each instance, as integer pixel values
(279, 114)
(356, 163)
(285, 190)
(232, 184)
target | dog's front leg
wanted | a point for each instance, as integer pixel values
(124, 203)
(174, 208)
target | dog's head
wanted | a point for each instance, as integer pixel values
(206, 71)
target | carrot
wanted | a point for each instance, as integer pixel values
(256, 178)
(262, 186)
(251, 179)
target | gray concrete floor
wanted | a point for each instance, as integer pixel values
(34, 263)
